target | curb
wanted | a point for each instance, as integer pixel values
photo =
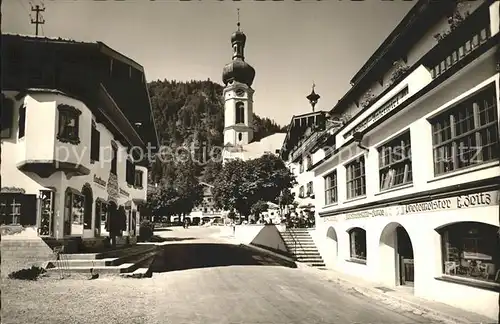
(258, 248)
(398, 301)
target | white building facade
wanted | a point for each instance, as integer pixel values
(68, 167)
(410, 188)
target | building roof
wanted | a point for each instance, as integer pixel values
(411, 28)
(81, 70)
(269, 144)
(299, 125)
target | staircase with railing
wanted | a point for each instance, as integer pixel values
(301, 245)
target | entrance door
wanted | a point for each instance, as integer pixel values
(405, 252)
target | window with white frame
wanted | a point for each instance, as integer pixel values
(466, 134)
(356, 179)
(357, 239)
(331, 188)
(395, 167)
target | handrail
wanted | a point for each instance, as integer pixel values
(295, 241)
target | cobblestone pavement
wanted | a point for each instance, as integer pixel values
(205, 282)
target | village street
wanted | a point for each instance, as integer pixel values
(250, 288)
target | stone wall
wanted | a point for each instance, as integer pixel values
(22, 248)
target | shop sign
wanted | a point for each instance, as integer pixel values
(482, 199)
(380, 212)
(99, 181)
(124, 193)
(330, 218)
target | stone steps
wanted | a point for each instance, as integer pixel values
(125, 263)
(301, 245)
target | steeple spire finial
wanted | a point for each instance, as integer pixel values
(313, 97)
(238, 13)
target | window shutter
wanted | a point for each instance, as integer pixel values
(28, 210)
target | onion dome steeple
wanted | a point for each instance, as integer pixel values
(313, 97)
(238, 70)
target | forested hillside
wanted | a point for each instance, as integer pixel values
(187, 112)
(194, 110)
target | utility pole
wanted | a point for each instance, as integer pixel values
(39, 19)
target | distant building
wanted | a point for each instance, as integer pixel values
(409, 194)
(71, 113)
(238, 77)
(206, 210)
(306, 134)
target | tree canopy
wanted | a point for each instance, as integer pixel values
(190, 115)
(241, 184)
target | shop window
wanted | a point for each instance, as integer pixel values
(395, 167)
(466, 134)
(7, 117)
(69, 123)
(331, 188)
(240, 113)
(22, 121)
(10, 211)
(471, 251)
(95, 143)
(357, 240)
(356, 180)
(138, 179)
(73, 212)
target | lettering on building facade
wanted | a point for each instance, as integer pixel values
(483, 199)
(379, 113)
(124, 193)
(99, 181)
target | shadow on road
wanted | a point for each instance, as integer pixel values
(157, 239)
(163, 229)
(204, 255)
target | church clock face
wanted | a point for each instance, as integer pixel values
(240, 92)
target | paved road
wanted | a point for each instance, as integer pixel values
(199, 280)
(210, 282)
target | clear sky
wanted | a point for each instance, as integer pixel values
(289, 43)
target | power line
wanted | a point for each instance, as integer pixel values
(38, 18)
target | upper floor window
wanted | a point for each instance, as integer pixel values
(114, 158)
(22, 121)
(466, 134)
(301, 192)
(395, 166)
(240, 113)
(138, 179)
(301, 166)
(308, 162)
(130, 172)
(69, 122)
(331, 188)
(7, 117)
(95, 143)
(357, 240)
(356, 180)
(310, 191)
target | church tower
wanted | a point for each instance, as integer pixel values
(238, 77)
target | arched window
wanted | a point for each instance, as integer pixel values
(471, 250)
(357, 239)
(240, 113)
